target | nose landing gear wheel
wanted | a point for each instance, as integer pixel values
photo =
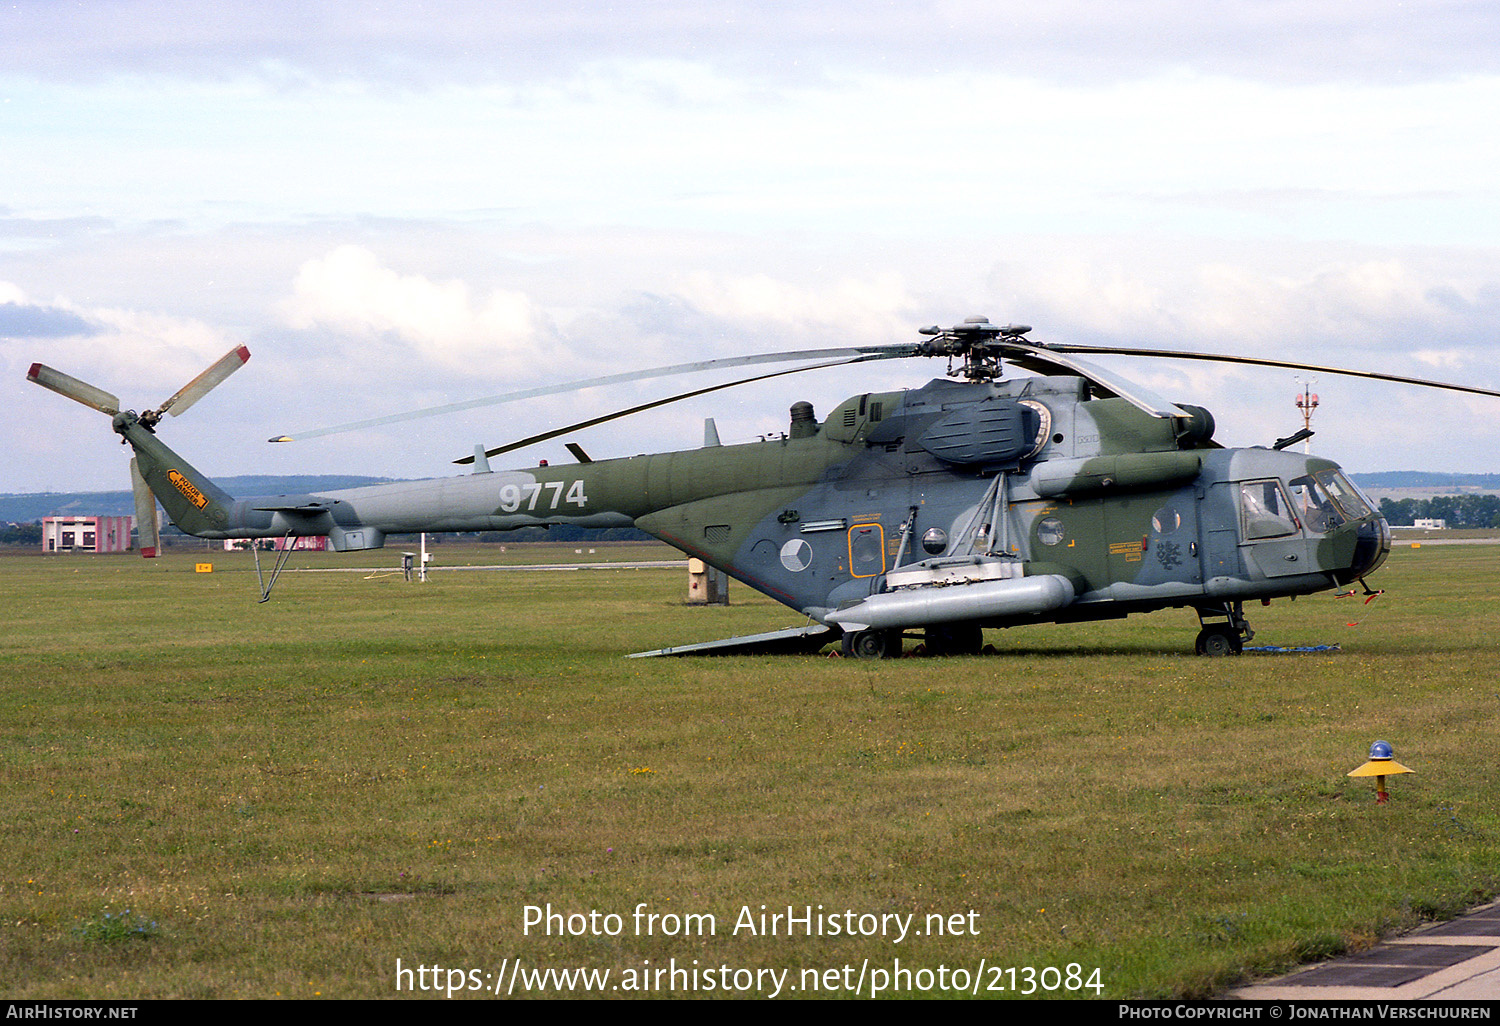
(1228, 631)
(1219, 641)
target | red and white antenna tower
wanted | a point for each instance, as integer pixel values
(1307, 401)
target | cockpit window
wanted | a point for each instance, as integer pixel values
(1265, 511)
(1314, 506)
(1349, 498)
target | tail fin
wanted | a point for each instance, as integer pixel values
(192, 501)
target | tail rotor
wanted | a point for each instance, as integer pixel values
(125, 421)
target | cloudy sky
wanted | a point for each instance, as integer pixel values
(404, 204)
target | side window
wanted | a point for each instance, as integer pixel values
(866, 550)
(1265, 511)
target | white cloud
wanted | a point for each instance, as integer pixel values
(847, 310)
(769, 39)
(141, 357)
(686, 144)
(349, 292)
(1446, 359)
(1264, 300)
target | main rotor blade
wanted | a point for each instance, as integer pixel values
(205, 382)
(1258, 361)
(890, 352)
(579, 426)
(1042, 360)
(78, 391)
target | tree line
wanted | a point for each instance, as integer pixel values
(1469, 510)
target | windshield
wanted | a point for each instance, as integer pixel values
(1314, 505)
(1349, 498)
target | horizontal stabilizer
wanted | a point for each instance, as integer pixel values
(306, 509)
(792, 641)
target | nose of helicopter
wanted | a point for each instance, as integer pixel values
(1372, 546)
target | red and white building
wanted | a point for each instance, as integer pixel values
(86, 534)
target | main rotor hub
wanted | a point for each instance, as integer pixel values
(978, 342)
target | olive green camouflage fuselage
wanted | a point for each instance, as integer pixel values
(949, 484)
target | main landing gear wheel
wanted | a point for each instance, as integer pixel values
(954, 639)
(872, 644)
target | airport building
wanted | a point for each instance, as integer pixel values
(86, 534)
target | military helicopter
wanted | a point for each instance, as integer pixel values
(975, 501)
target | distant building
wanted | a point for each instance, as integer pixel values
(87, 534)
(311, 543)
(1430, 525)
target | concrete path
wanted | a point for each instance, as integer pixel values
(1453, 961)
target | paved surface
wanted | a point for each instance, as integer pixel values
(640, 564)
(1453, 961)
(1403, 543)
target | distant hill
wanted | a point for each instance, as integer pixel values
(24, 509)
(1425, 479)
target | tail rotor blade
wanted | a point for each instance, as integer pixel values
(205, 382)
(78, 391)
(145, 512)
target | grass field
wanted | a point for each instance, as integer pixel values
(207, 797)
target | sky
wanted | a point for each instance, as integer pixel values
(401, 205)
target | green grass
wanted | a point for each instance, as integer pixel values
(294, 795)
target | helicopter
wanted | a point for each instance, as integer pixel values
(978, 500)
